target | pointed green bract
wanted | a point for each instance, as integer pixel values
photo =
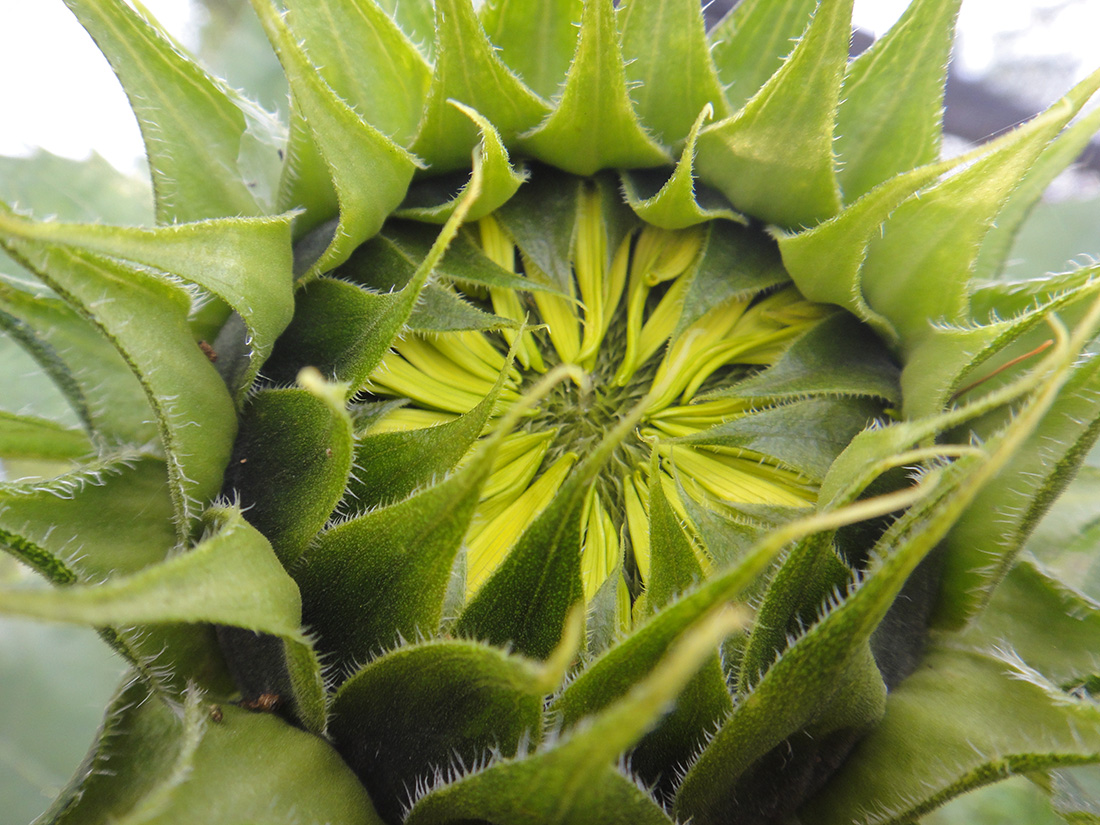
(78, 536)
(774, 158)
(751, 42)
(499, 180)
(391, 465)
(369, 171)
(468, 70)
(89, 371)
(662, 38)
(214, 255)
(297, 444)
(570, 138)
(536, 39)
(195, 128)
(225, 579)
(945, 708)
(365, 57)
(481, 698)
(182, 386)
(889, 120)
(676, 204)
(163, 764)
(375, 579)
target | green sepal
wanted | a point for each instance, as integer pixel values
(371, 321)
(30, 437)
(661, 40)
(207, 762)
(940, 230)
(608, 618)
(535, 38)
(735, 263)
(82, 363)
(397, 729)
(1056, 158)
(837, 356)
(674, 568)
(983, 545)
(964, 719)
(216, 255)
(541, 219)
(774, 158)
(570, 138)
(805, 435)
(795, 597)
(389, 261)
(891, 112)
(369, 171)
(210, 151)
(751, 42)
(825, 261)
(526, 599)
(468, 70)
(676, 202)
(370, 581)
(231, 577)
(573, 781)
(145, 317)
(1044, 621)
(339, 329)
(112, 516)
(441, 309)
(392, 465)
(705, 700)
(291, 462)
(368, 61)
(416, 18)
(972, 352)
(499, 180)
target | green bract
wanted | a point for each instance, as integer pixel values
(556, 423)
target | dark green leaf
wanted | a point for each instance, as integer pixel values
(963, 720)
(290, 464)
(215, 764)
(396, 729)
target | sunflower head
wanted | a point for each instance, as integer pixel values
(569, 415)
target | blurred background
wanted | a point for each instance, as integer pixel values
(65, 118)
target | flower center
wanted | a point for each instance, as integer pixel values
(653, 322)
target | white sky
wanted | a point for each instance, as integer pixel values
(59, 93)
